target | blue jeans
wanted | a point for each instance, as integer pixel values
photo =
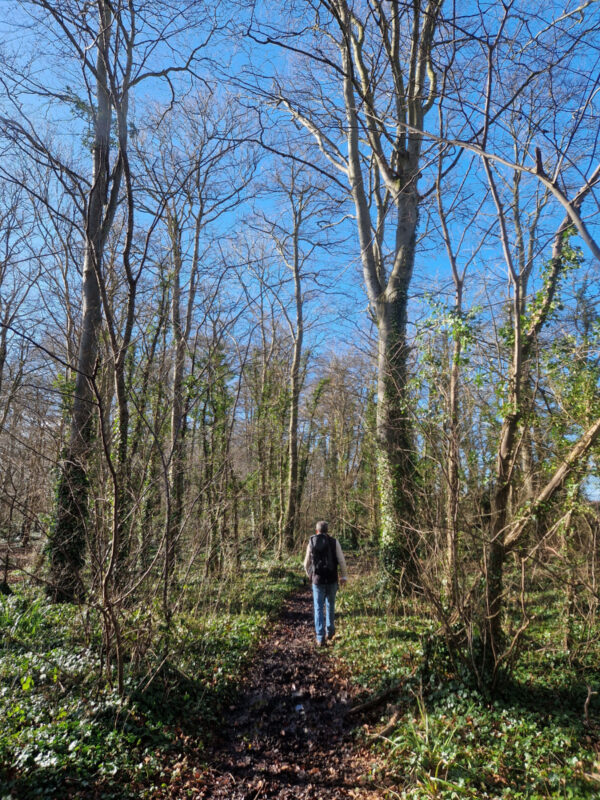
(324, 601)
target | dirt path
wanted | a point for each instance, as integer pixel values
(289, 735)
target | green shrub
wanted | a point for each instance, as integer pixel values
(450, 742)
(65, 730)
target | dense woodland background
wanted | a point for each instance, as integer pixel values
(263, 264)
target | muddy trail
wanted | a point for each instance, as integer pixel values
(289, 736)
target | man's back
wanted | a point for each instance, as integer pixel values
(324, 558)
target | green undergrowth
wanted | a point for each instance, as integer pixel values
(66, 732)
(529, 742)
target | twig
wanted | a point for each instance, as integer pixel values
(376, 700)
(391, 723)
(586, 705)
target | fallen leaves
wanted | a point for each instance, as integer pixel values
(289, 735)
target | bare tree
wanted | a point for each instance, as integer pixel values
(378, 60)
(114, 48)
(300, 237)
(193, 183)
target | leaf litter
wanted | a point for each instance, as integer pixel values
(289, 735)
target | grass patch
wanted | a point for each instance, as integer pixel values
(66, 733)
(530, 743)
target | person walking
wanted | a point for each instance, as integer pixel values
(323, 557)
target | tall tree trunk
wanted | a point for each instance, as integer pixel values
(494, 636)
(453, 463)
(394, 184)
(68, 539)
(453, 441)
(395, 457)
(176, 484)
(295, 382)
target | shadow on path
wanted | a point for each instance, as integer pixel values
(289, 736)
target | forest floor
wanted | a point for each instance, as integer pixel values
(248, 706)
(289, 735)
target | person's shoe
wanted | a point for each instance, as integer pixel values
(330, 636)
(321, 643)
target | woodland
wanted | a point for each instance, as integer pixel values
(263, 264)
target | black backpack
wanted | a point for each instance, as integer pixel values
(324, 559)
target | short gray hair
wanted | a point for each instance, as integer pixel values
(322, 526)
